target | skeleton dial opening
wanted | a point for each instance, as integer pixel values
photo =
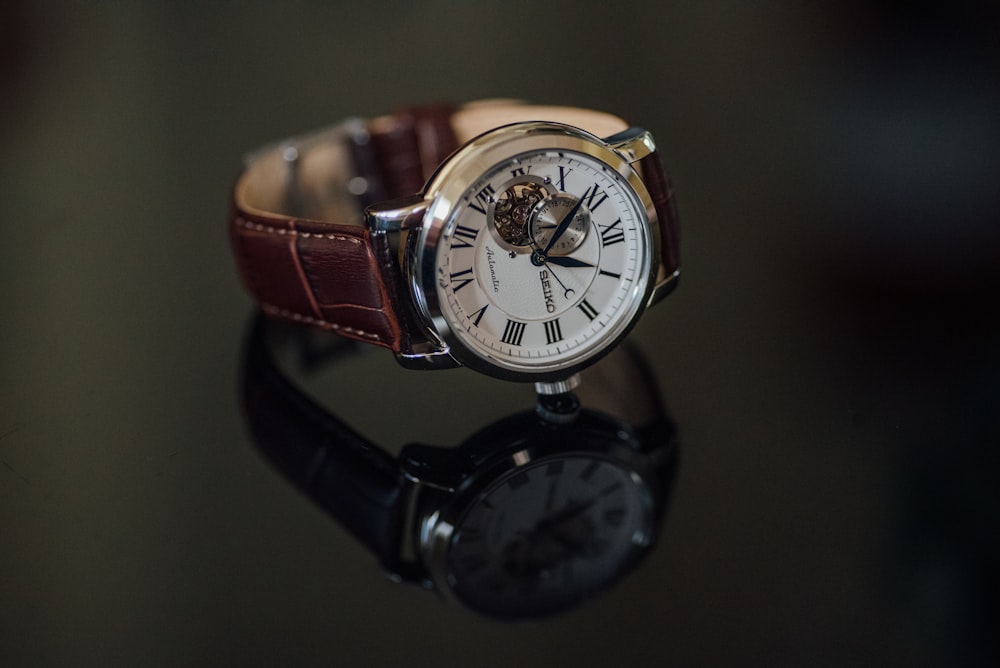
(543, 259)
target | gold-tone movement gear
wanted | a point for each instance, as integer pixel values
(513, 207)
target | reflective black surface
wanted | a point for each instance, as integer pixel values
(532, 515)
(830, 356)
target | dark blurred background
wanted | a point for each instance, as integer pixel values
(831, 355)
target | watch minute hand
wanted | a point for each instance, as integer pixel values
(563, 224)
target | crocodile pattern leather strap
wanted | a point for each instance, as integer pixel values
(297, 225)
(297, 228)
(351, 478)
(662, 194)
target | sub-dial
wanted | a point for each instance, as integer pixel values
(508, 214)
(545, 220)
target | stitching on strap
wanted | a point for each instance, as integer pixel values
(282, 231)
(299, 317)
(326, 324)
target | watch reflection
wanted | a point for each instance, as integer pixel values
(531, 515)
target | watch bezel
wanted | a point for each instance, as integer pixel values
(443, 195)
(594, 437)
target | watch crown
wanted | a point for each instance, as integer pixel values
(558, 386)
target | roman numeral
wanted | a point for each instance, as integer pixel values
(587, 309)
(459, 280)
(520, 171)
(561, 179)
(591, 469)
(553, 332)
(483, 198)
(463, 233)
(513, 333)
(611, 234)
(476, 316)
(594, 193)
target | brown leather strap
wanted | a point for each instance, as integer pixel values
(339, 277)
(297, 227)
(315, 262)
(410, 144)
(662, 194)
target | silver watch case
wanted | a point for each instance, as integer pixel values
(421, 221)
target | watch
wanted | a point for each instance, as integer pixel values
(522, 241)
(530, 516)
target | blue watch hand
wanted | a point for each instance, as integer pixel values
(563, 225)
(566, 261)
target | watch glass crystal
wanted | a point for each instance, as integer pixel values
(543, 261)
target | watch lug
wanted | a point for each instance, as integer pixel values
(634, 143)
(432, 466)
(427, 357)
(404, 565)
(664, 286)
(409, 573)
(394, 219)
(404, 213)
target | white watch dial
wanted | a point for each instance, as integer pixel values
(544, 260)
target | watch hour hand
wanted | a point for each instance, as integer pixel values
(566, 261)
